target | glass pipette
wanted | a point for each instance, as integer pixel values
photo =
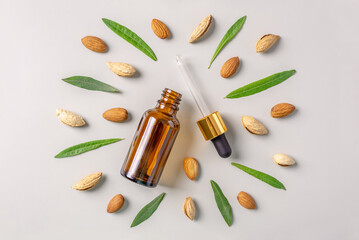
(211, 125)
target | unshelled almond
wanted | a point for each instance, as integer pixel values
(230, 67)
(189, 208)
(122, 69)
(115, 115)
(88, 182)
(201, 29)
(160, 29)
(246, 200)
(254, 126)
(69, 118)
(115, 204)
(282, 110)
(94, 44)
(266, 42)
(190, 166)
(283, 160)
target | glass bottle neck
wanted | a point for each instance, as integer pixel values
(169, 102)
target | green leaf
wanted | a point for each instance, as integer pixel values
(89, 84)
(261, 176)
(228, 36)
(85, 147)
(147, 210)
(222, 203)
(130, 37)
(261, 85)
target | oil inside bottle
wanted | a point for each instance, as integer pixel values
(153, 141)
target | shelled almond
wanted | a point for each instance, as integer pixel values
(94, 44)
(160, 29)
(116, 115)
(230, 67)
(246, 200)
(115, 204)
(282, 110)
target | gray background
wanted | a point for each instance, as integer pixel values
(40, 44)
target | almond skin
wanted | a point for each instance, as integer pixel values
(201, 29)
(189, 208)
(283, 160)
(246, 200)
(190, 166)
(116, 115)
(254, 126)
(94, 44)
(230, 67)
(122, 69)
(115, 204)
(160, 29)
(282, 110)
(266, 42)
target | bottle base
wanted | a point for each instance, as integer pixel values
(138, 181)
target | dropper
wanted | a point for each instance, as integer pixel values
(211, 125)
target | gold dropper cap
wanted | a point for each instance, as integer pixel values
(212, 126)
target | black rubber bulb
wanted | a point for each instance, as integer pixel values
(222, 146)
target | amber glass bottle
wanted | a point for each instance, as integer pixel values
(153, 141)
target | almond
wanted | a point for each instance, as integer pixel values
(282, 110)
(266, 42)
(190, 166)
(94, 44)
(115, 204)
(69, 118)
(122, 69)
(229, 67)
(254, 126)
(115, 115)
(88, 182)
(246, 200)
(189, 208)
(160, 29)
(201, 29)
(283, 160)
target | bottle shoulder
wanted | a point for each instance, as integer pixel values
(161, 116)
